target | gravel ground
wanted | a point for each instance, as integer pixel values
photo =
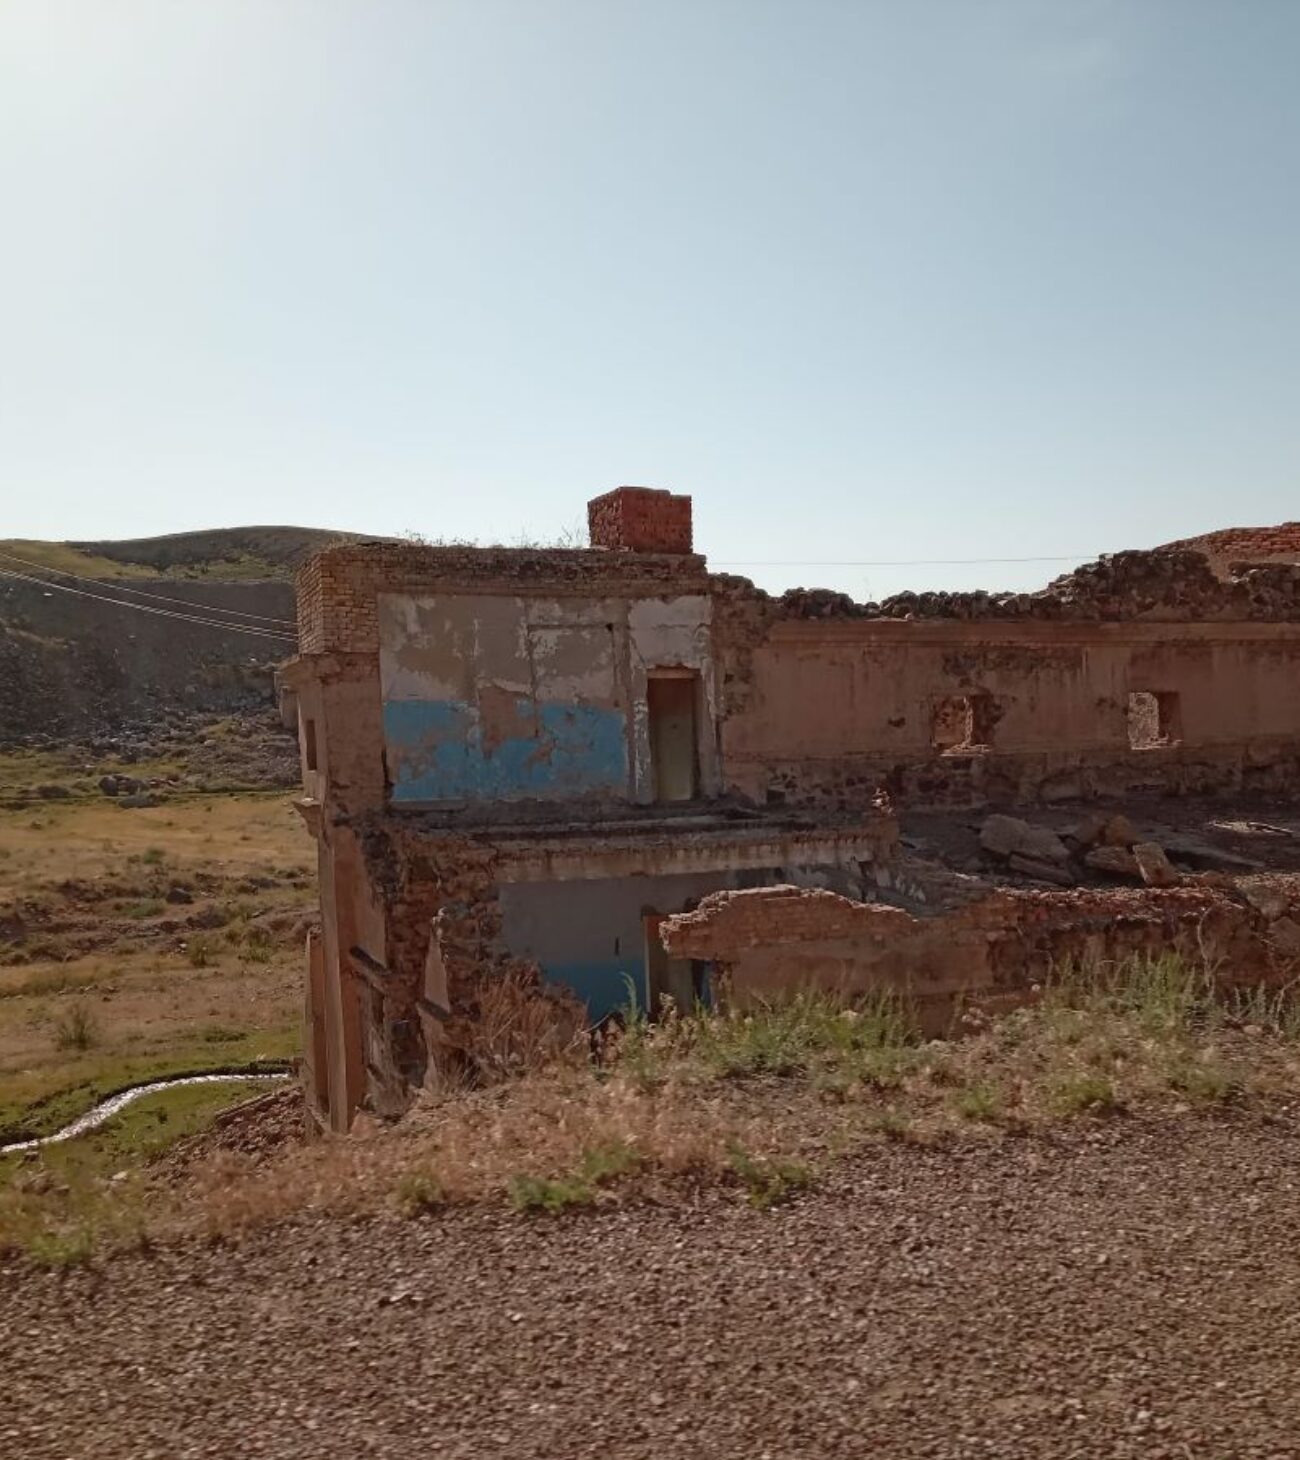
(1122, 1290)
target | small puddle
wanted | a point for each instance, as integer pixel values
(107, 1109)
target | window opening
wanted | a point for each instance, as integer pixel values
(309, 743)
(1153, 719)
(962, 723)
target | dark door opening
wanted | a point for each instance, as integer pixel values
(680, 980)
(674, 755)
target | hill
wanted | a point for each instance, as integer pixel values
(98, 636)
(231, 554)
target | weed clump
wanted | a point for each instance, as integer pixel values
(1088, 1093)
(77, 1029)
(979, 1102)
(770, 1180)
(546, 1194)
(419, 1192)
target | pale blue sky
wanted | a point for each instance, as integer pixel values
(920, 279)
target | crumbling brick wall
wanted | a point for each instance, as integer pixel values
(766, 940)
(445, 957)
(1232, 547)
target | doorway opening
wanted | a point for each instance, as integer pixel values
(684, 981)
(672, 700)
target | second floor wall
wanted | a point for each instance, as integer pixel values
(509, 697)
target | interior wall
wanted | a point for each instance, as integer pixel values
(589, 935)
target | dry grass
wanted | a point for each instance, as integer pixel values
(764, 1102)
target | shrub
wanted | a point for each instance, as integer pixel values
(602, 1164)
(1205, 1081)
(76, 1029)
(978, 1102)
(149, 907)
(1090, 1092)
(418, 1191)
(258, 945)
(61, 1249)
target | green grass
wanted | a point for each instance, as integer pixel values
(1089, 1093)
(549, 1194)
(1205, 1081)
(37, 1103)
(57, 1204)
(419, 1192)
(65, 558)
(980, 1102)
(598, 1166)
(768, 1180)
(605, 1163)
(1164, 994)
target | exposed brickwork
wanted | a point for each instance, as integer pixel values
(727, 922)
(998, 945)
(640, 520)
(338, 590)
(1242, 545)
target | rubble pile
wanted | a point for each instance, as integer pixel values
(1101, 843)
(1164, 583)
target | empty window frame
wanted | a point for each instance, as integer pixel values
(962, 723)
(1154, 719)
(309, 743)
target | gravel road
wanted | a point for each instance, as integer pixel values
(1122, 1290)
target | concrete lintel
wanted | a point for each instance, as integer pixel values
(310, 810)
(542, 862)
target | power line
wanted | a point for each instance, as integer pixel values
(144, 608)
(142, 593)
(880, 562)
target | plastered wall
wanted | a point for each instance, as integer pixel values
(589, 935)
(494, 697)
(831, 696)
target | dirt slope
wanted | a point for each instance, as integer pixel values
(1115, 1291)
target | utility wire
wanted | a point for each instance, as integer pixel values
(143, 608)
(879, 562)
(142, 593)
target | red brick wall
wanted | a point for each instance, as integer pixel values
(1246, 545)
(640, 520)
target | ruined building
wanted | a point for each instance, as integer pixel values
(613, 772)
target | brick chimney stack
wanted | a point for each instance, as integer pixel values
(640, 520)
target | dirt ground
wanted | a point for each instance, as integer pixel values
(1111, 1290)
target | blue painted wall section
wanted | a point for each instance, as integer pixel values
(437, 752)
(606, 987)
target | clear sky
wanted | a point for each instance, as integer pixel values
(871, 279)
